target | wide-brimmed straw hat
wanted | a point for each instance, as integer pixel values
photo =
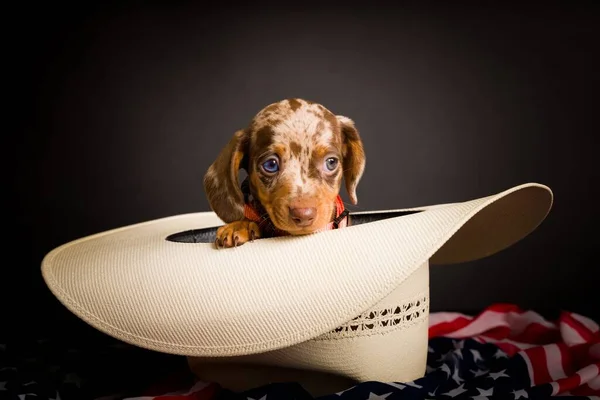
(352, 302)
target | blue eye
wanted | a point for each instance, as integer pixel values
(271, 166)
(331, 163)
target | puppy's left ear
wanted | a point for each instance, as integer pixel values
(221, 179)
(354, 156)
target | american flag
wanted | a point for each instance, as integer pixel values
(502, 353)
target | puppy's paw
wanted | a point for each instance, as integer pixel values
(237, 233)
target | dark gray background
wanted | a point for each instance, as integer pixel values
(120, 111)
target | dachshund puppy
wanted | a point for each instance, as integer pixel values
(295, 153)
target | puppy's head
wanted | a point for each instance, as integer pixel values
(295, 153)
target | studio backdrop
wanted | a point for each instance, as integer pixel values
(122, 110)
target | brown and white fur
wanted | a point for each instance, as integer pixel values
(307, 150)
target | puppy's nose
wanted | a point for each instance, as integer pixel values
(303, 216)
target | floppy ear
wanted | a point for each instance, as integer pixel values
(354, 156)
(221, 179)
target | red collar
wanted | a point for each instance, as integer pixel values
(339, 221)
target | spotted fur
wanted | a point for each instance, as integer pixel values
(304, 137)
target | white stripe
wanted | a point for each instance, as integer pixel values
(594, 384)
(555, 388)
(486, 321)
(586, 374)
(570, 335)
(554, 362)
(588, 323)
(519, 322)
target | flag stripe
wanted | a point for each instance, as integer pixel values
(483, 323)
(595, 383)
(592, 326)
(554, 360)
(537, 355)
(589, 372)
(577, 332)
(445, 325)
(529, 367)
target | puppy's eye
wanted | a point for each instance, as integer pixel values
(271, 166)
(331, 163)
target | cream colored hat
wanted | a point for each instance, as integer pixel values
(352, 302)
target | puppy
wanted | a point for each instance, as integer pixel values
(295, 153)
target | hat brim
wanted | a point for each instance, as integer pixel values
(150, 285)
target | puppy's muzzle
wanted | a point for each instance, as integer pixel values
(303, 217)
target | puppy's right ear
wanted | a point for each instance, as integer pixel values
(221, 179)
(354, 156)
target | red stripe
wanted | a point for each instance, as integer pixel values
(500, 332)
(538, 334)
(445, 328)
(580, 355)
(537, 356)
(508, 348)
(566, 359)
(569, 383)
